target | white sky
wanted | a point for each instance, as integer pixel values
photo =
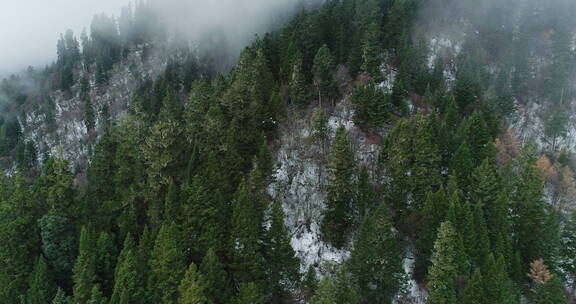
(29, 29)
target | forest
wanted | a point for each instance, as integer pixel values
(173, 204)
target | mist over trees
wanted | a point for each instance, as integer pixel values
(174, 204)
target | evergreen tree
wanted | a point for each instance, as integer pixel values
(322, 72)
(97, 297)
(482, 245)
(378, 282)
(246, 235)
(497, 285)
(366, 197)
(462, 166)
(551, 292)
(338, 216)
(249, 294)
(60, 297)
(85, 267)
(216, 288)
(283, 265)
(372, 51)
(192, 287)
(532, 235)
(474, 291)
(167, 264)
(42, 288)
(310, 283)
(127, 279)
(326, 293)
(432, 215)
(442, 273)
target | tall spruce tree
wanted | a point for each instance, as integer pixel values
(378, 281)
(85, 268)
(338, 217)
(282, 264)
(216, 288)
(192, 287)
(443, 272)
(167, 264)
(246, 236)
(42, 287)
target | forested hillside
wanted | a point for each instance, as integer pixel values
(363, 151)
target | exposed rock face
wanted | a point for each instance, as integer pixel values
(67, 134)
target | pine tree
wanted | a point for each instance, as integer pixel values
(366, 197)
(432, 215)
(326, 293)
(497, 285)
(533, 236)
(216, 288)
(474, 291)
(167, 264)
(310, 283)
(249, 294)
(425, 172)
(482, 244)
(246, 235)
(378, 282)
(372, 51)
(105, 262)
(96, 296)
(192, 287)
(127, 281)
(551, 292)
(42, 288)
(85, 268)
(282, 264)
(60, 297)
(345, 291)
(462, 165)
(322, 71)
(299, 91)
(338, 217)
(442, 273)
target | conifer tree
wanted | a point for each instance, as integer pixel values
(551, 292)
(249, 294)
(246, 235)
(192, 287)
(127, 279)
(461, 167)
(345, 292)
(310, 283)
(432, 215)
(372, 51)
(532, 235)
(42, 288)
(322, 71)
(85, 268)
(282, 264)
(366, 197)
(378, 282)
(60, 297)
(216, 288)
(474, 291)
(442, 273)
(96, 296)
(338, 216)
(105, 262)
(497, 285)
(482, 244)
(166, 264)
(326, 293)
(425, 172)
